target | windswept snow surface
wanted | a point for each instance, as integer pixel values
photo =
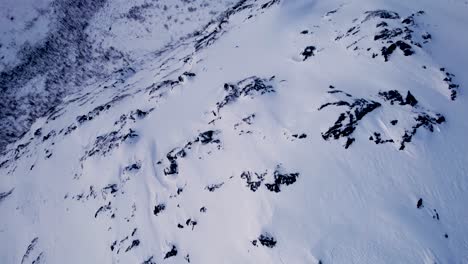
(281, 132)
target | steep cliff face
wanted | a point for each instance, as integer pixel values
(270, 132)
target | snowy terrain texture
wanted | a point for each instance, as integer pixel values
(251, 131)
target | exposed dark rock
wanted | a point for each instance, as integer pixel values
(138, 114)
(392, 96)
(377, 138)
(385, 34)
(404, 47)
(401, 35)
(300, 136)
(426, 36)
(81, 119)
(70, 129)
(408, 21)
(346, 123)
(99, 109)
(215, 29)
(38, 259)
(331, 12)
(338, 103)
(112, 247)
(269, 3)
(453, 87)
(422, 120)
(49, 135)
(189, 74)
(191, 222)
(149, 261)
(29, 250)
(383, 14)
(172, 157)
(245, 121)
(4, 195)
(213, 187)
(107, 142)
(130, 135)
(162, 87)
(382, 24)
(104, 143)
(249, 119)
(410, 99)
(420, 203)
(171, 253)
(179, 190)
(251, 183)
(133, 167)
(281, 179)
(38, 132)
(251, 86)
(349, 141)
(112, 188)
(207, 137)
(436, 215)
(103, 208)
(339, 92)
(159, 208)
(308, 52)
(137, 12)
(267, 240)
(395, 97)
(135, 243)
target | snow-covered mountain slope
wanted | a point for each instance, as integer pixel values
(302, 131)
(52, 48)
